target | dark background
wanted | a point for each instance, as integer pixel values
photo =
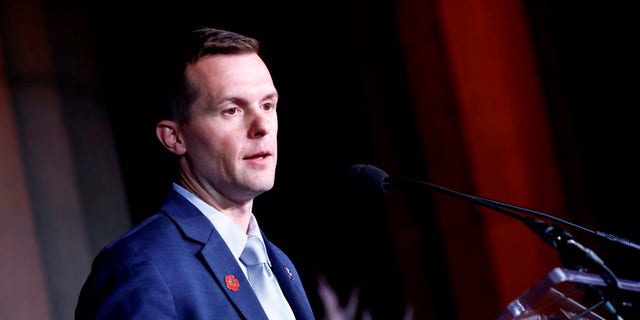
(586, 56)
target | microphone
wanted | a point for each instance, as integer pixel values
(375, 180)
(367, 177)
(372, 179)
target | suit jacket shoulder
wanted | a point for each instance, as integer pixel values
(175, 265)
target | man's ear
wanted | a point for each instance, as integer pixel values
(168, 132)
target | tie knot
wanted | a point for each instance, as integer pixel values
(253, 252)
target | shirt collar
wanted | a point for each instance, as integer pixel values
(235, 238)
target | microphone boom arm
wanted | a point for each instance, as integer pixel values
(500, 206)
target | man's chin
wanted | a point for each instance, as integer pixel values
(259, 187)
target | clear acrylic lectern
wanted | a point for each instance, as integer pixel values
(569, 294)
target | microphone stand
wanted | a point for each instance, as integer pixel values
(573, 255)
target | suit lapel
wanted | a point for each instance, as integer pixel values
(215, 255)
(289, 281)
(230, 277)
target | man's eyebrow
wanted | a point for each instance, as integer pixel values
(273, 95)
(236, 99)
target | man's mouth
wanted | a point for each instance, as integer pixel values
(259, 155)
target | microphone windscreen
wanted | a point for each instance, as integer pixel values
(366, 177)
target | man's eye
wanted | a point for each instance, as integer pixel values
(231, 111)
(268, 106)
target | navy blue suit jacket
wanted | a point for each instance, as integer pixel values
(175, 265)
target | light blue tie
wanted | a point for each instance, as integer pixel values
(263, 281)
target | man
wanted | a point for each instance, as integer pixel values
(184, 262)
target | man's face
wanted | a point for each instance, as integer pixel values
(230, 139)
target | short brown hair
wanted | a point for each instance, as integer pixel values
(198, 43)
